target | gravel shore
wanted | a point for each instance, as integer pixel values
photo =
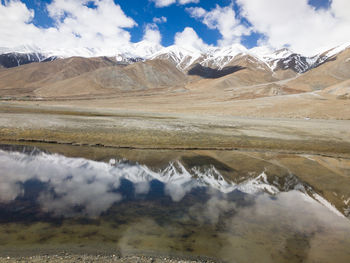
(98, 258)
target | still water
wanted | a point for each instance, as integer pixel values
(233, 207)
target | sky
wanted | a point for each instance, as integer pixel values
(305, 26)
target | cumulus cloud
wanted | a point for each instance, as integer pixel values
(102, 28)
(152, 34)
(190, 40)
(15, 24)
(160, 20)
(184, 2)
(298, 24)
(76, 25)
(225, 20)
(164, 3)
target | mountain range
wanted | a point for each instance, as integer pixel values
(182, 57)
(28, 72)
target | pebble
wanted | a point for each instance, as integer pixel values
(65, 258)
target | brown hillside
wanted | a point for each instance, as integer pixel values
(23, 80)
(153, 74)
(335, 71)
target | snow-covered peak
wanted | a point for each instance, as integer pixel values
(187, 56)
(182, 57)
(231, 51)
(219, 57)
(179, 51)
(325, 55)
(334, 51)
(282, 58)
(281, 53)
(266, 53)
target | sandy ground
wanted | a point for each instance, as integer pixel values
(132, 129)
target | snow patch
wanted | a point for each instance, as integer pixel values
(216, 57)
(337, 50)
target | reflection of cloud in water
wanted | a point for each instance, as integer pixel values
(90, 187)
(244, 222)
(212, 210)
(297, 225)
(71, 182)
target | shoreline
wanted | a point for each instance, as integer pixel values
(165, 131)
(55, 256)
(30, 142)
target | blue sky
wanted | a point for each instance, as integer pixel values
(306, 26)
(143, 12)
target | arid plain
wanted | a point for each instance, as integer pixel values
(154, 104)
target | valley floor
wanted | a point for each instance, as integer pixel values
(112, 123)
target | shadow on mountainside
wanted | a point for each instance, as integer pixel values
(210, 73)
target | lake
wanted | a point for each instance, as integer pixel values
(231, 206)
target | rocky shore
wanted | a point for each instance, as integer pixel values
(65, 258)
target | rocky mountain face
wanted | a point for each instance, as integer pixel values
(244, 73)
(184, 58)
(295, 62)
(11, 60)
(88, 77)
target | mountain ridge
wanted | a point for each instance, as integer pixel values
(227, 74)
(184, 58)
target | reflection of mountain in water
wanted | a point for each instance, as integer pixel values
(67, 186)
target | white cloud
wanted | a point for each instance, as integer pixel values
(185, 2)
(190, 40)
(164, 3)
(101, 26)
(160, 20)
(223, 19)
(295, 23)
(76, 25)
(152, 34)
(15, 26)
(299, 25)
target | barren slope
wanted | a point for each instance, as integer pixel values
(23, 80)
(80, 77)
(243, 88)
(330, 73)
(155, 74)
(341, 90)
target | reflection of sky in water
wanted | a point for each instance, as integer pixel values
(76, 185)
(93, 186)
(186, 209)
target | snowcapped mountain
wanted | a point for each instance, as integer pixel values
(183, 57)
(284, 59)
(221, 57)
(10, 60)
(218, 58)
(296, 62)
